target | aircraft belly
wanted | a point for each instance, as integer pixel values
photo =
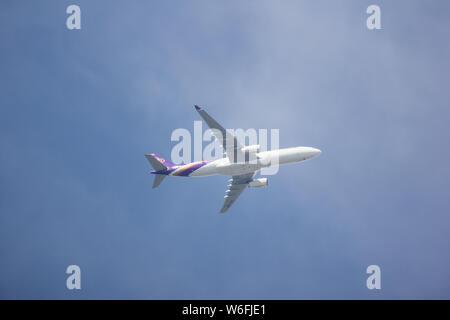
(207, 170)
(238, 169)
(287, 158)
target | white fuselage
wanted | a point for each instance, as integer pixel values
(259, 160)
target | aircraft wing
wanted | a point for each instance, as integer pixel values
(238, 184)
(229, 142)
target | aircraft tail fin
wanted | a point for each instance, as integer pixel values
(159, 163)
(161, 167)
(158, 179)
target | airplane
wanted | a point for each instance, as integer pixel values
(241, 162)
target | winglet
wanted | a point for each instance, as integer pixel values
(197, 108)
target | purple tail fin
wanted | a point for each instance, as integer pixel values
(159, 163)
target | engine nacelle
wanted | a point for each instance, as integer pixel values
(263, 161)
(258, 183)
(252, 149)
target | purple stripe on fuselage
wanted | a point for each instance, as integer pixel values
(189, 168)
(185, 170)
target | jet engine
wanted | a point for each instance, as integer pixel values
(251, 149)
(258, 183)
(263, 161)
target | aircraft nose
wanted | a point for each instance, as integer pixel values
(315, 152)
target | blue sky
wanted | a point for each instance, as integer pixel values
(79, 109)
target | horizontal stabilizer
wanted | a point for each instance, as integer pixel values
(158, 179)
